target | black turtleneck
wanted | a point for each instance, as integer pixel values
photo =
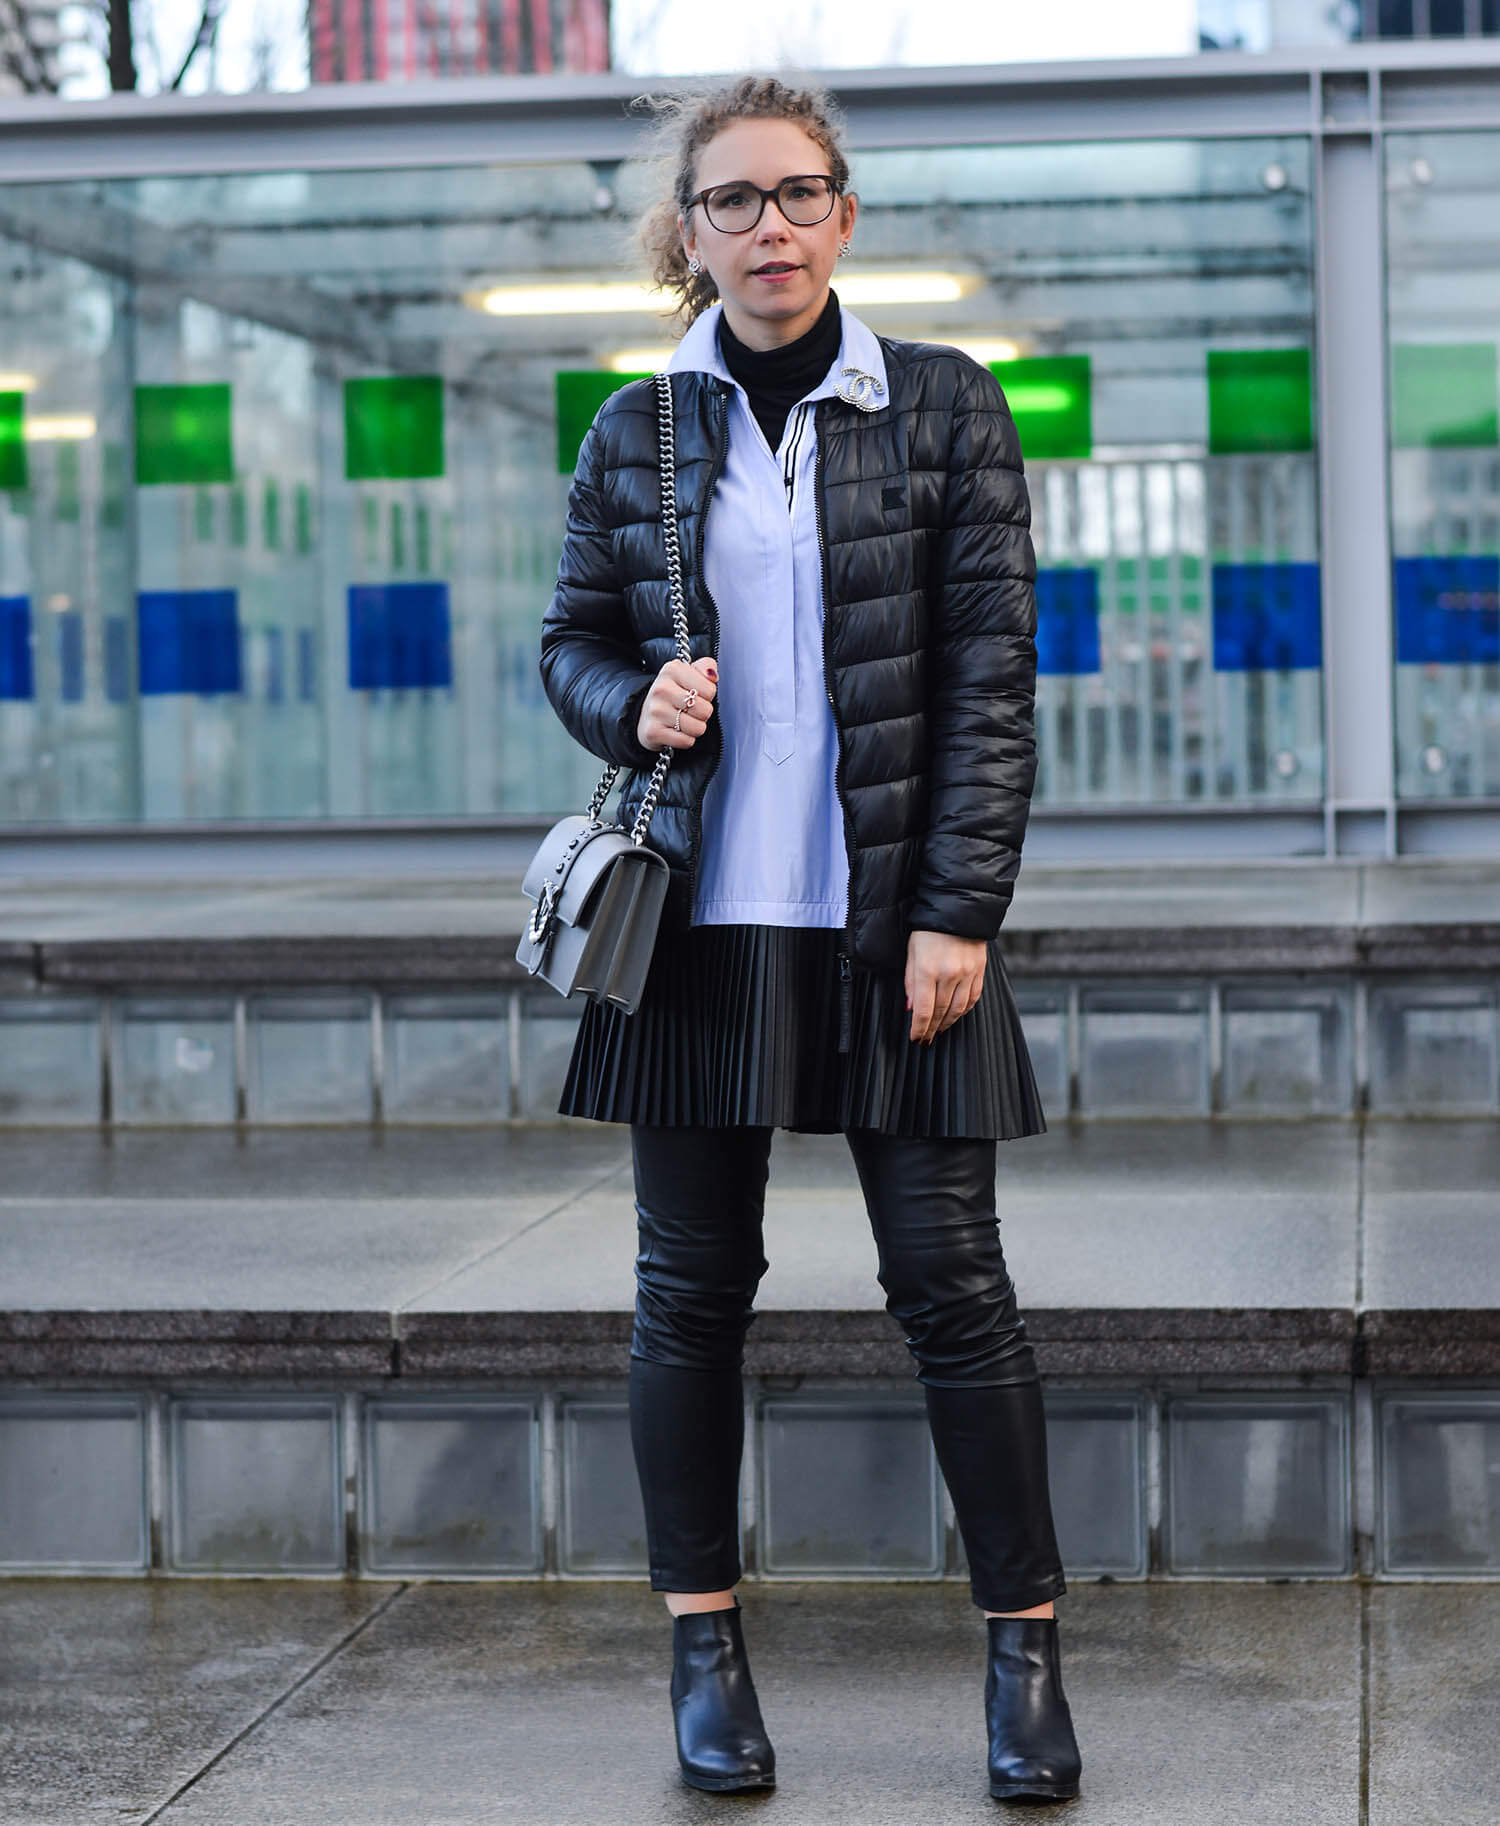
(775, 379)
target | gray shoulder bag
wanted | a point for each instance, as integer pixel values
(598, 889)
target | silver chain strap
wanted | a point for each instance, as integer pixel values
(667, 447)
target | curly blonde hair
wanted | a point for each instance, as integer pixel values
(685, 123)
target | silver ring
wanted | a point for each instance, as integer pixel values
(690, 699)
(677, 721)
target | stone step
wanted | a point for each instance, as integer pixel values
(1103, 920)
(1276, 991)
(1340, 1247)
(1268, 1349)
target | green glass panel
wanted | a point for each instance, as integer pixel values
(1259, 400)
(69, 483)
(302, 516)
(369, 509)
(239, 517)
(183, 434)
(1052, 401)
(422, 533)
(580, 394)
(398, 537)
(271, 518)
(393, 427)
(1442, 394)
(203, 517)
(13, 440)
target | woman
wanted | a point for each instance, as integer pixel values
(843, 821)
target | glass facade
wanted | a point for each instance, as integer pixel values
(284, 460)
(1443, 242)
(285, 456)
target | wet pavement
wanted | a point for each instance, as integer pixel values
(278, 1702)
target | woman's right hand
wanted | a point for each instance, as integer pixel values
(657, 727)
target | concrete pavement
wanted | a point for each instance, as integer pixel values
(279, 1703)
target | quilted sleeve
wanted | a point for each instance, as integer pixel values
(982, 672)
(591, 665)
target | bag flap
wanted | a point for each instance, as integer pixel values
(587, 870)
(563, 840)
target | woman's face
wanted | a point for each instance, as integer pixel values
(773, 278)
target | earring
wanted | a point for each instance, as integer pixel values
(695, 265)
(843, 249)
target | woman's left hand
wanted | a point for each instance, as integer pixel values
(944, 976)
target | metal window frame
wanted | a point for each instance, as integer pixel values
(1344, 98)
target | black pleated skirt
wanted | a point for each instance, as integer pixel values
(740, 1025)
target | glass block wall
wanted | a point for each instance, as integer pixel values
(838, 1481)
(284, 459)
(1443, 241)
(1232, 1047)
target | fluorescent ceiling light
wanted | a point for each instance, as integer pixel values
(997, 349)
(902, 288)
(55, 426)
(572, 299)
(649, 360)
(17, 383)
(608, 297)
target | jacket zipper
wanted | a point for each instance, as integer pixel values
(846, 970)
(721, 450)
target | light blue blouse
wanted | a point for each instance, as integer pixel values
(773, 849)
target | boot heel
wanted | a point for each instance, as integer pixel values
(721, 1738)
(1033, 1753)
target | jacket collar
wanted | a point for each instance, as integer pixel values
(857, 376)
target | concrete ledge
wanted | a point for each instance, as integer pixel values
(1431, 1341)
(1121, 920)
(164, 1344)
(465, 961)
(1117, 1341)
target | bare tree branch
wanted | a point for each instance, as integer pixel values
(208, 25)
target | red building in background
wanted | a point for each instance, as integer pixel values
(396, 40)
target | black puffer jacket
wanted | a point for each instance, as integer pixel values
(929, 633)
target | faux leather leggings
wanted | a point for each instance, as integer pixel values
(700, 1197)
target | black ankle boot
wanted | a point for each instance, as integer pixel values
(721, 1741)
(1033, 1752)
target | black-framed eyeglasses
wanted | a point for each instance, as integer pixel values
(734, 208)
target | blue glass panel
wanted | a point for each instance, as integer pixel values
(398, 635)
(70, 655)
(1267, 618)
(1067, 620)
(1447, 611)
(189, 641)
(307, 666)
(116, 659)
(15, 647)
(275, 665)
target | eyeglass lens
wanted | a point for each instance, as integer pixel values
(735, 207)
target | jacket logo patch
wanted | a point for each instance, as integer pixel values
(892, 496)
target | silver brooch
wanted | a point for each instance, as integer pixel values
(859, 389)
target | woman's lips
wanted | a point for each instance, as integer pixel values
(776, 276)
